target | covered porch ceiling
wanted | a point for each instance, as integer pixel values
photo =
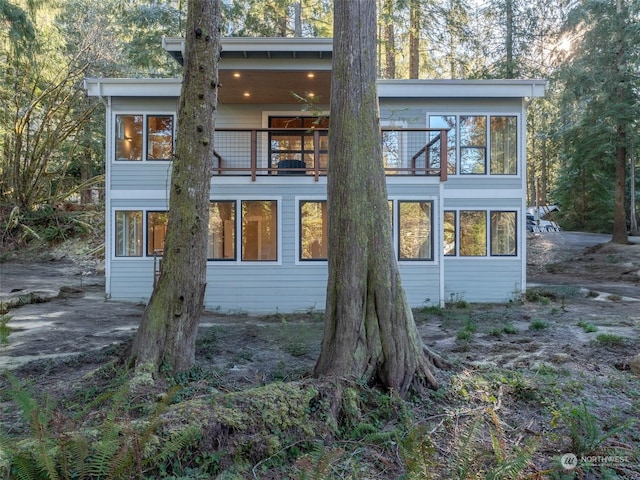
(272, 86)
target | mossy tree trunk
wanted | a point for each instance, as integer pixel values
(369, 328)
(169, 324)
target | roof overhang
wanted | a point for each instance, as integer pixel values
(170, 87)
(260, 47)
(462, 88)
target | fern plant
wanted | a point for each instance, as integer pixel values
(118, 448)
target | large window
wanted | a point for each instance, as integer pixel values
(467, 230)
(156, 232)
(128, 236)
(295, 149)
(133, 131)
(478, 144)
(259, 230)
(222, 230)
(313, 230)
(415, 239)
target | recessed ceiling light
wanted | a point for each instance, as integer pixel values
(236, 75)
(246, 94)
(311, 75)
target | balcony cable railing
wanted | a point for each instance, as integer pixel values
(303, 151)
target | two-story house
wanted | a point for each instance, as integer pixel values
(454, 153)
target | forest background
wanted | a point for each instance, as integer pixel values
(52, 135)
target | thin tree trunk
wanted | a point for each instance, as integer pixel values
(169, 324)
(633, 216)
(509, 73)
(389, 40)
(369, 328)
(414, 39)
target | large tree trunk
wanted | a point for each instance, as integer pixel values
(619, 210)
(169, 324)
(369, 328)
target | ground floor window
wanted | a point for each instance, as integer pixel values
(503, 233)
(465, 233)
(221, 243)
(449, 233)
(259, 230)
(156, 232)
(128, 236)
(313, 230)
(473, 233)
(415, 227)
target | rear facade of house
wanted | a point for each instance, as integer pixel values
(454, 154)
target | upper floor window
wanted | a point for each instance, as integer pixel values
(139, 137)
(479, 144)
(473, 145)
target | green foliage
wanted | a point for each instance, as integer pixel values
(5, 330)
(599, 107)
(418, 453)
(610, 339)
(538, 324)
(585, 431)
(509, 329)
(115, 448)
(587, 327)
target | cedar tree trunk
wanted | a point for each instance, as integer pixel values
(369, 329)
(169, 325)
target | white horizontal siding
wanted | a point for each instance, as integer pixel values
(482, 279)
(131, 279)
(140, 175)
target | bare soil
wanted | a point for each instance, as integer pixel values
(66, 332)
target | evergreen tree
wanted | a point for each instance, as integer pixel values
(600, 109)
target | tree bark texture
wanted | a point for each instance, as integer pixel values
(619, 210)
(369, 328)
(169, 325)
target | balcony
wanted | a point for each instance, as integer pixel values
(304, 151)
